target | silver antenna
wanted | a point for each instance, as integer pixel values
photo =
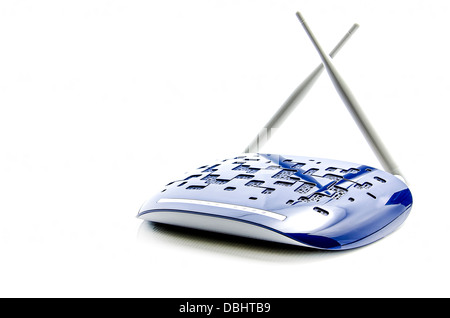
(353, 106)
(293, 100)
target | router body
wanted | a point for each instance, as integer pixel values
(311, 202)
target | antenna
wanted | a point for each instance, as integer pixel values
(293, 100)
(353, 106)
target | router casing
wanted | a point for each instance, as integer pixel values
(311, 202)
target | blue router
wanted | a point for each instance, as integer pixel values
(306, 201)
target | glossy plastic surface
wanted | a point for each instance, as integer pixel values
(319, 203)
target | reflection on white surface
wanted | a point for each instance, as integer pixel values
(180, 237)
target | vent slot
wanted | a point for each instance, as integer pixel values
(246, 168)
(241, 167)
(310, 172)
(338, 192)
(254, 183)
(284, 174)
(298, 165)
(210, 176)
(305, 187)
(195, 187)
(212, 168)
(316, 197)
(244, 176)
(333, 177)
(284, 183)
(365, 185)
(213, 179)
(218, 181)
(371, 195)
(268, 191)
(380, 179)
(321, 211)
(193, 176)
(230, 189)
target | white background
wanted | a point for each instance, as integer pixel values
(104, 102)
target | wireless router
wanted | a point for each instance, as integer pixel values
(305, 201)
